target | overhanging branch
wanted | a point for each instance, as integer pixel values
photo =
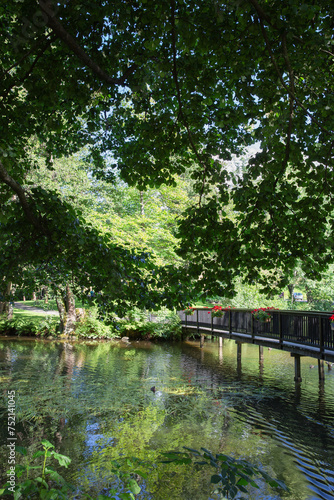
(179, 100)
(73, 45)
(21, 194)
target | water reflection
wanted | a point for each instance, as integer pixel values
(93, 400)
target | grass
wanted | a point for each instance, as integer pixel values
(29, 315)
(51, 305)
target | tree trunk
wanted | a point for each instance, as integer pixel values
(71, 316)
(291, 289)
(67, 312)
(45, 294)
(62, 312)
(6, 307)
(309, 295)
(33, 295)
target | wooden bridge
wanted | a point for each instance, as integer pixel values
(303, 333)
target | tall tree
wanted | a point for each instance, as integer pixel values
(172, 85)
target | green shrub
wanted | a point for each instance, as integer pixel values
(36, 328)
(42, 481)
(91, 327)
(163, 324)
(47, 484)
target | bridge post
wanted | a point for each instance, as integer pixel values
(261, 353)
(321, 369)
(239, 344)
(280, 329)
(220, 351)
(297, 357)
(229, 322)
(201, 341)
(261, 361)
(321, 336)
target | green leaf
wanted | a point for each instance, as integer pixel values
(21, 450)
(47, 444)
(243, 482)
(62, 459)
(195, 452)
(134, 487)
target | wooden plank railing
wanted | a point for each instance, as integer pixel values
(308, 329)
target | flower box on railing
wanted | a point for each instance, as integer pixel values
(217, 312)
(262, 315)
(189, 311)
(332, 321)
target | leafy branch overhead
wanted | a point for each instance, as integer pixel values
(156, 90)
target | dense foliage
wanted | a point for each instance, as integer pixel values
(158, 89)
(136, 324)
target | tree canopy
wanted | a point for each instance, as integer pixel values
(158, 89)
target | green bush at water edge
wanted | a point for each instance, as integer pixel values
(36, 327)
(164, 325)
(139, 324)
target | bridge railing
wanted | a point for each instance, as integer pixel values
(309, 328)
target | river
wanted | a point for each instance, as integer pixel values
(93, 401)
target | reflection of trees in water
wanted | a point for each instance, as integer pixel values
(83, 394)
(301, 423)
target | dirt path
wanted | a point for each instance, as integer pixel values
(18, 305)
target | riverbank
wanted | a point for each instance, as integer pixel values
(33, 321)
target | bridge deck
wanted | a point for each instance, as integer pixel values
(306, 333)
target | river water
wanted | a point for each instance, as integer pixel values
(94, 402)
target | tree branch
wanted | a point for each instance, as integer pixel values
(261, 13)
(263, 16)
(72, 44)
(291, 100)
(19, 191)
(179, 100)
(28, 72)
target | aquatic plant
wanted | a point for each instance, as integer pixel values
(231, 476)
